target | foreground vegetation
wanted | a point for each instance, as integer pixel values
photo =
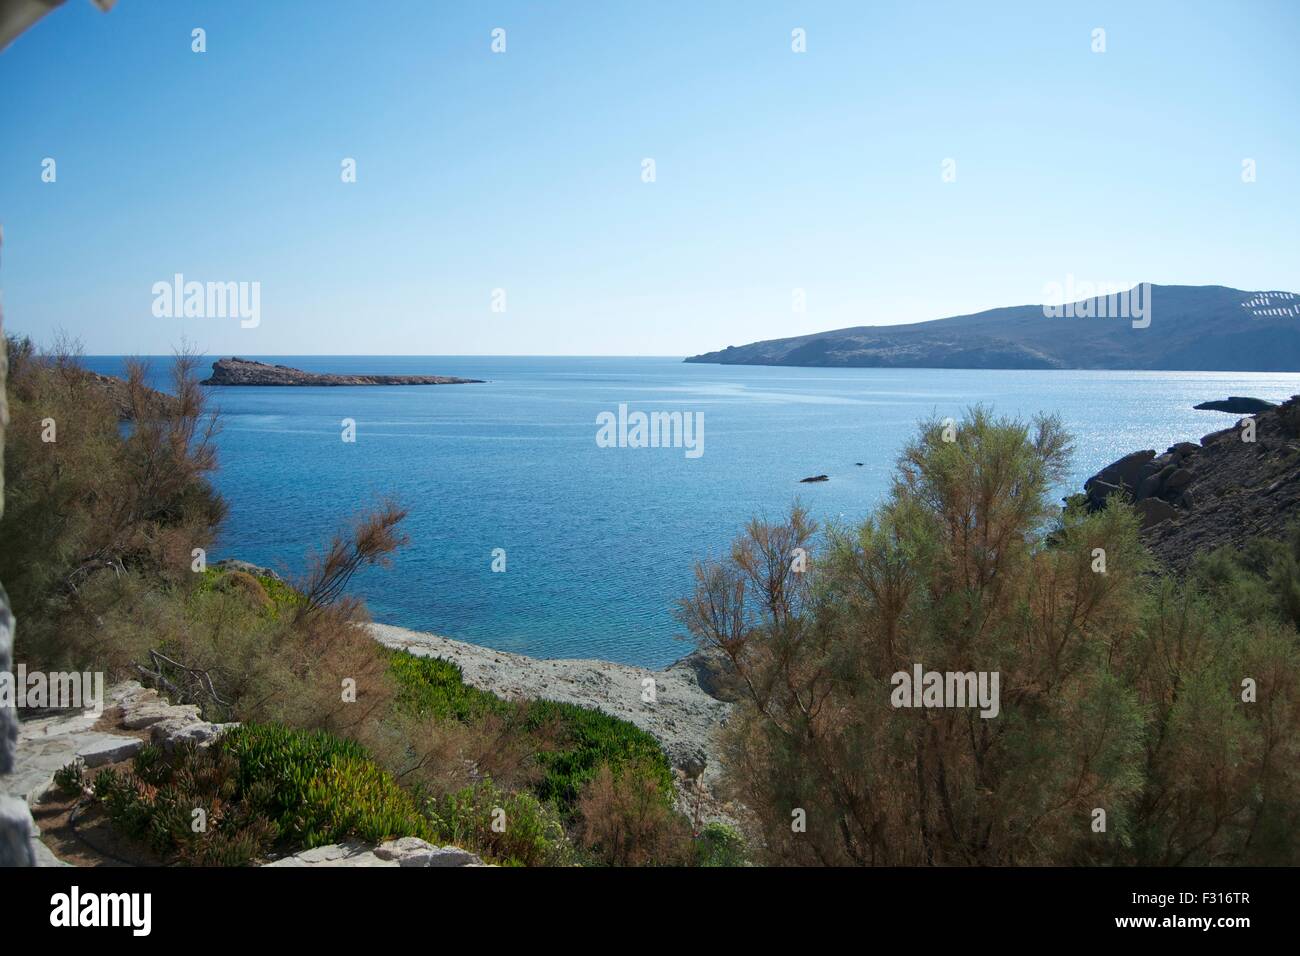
(1143, 720)
(106, 533)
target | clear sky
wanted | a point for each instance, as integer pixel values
(523, 170)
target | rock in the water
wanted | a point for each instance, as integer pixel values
(815, 478)
(1236, 404)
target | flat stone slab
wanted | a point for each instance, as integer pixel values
(96, 749)
(47, 745)
(336, 854)
(407, 851)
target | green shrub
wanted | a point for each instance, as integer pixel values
(433, 687)
(1260, 581)
(106, 514)
(192, 810)
(319, 788)
(720, 845)
(514, 829)
(1119, 688)
(624, 819)
(255, 788)
(71, 779)
(586, 740)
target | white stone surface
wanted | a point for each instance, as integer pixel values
(407, 851)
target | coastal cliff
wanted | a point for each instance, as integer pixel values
(238, 371)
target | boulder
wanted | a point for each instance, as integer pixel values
(1098, 492)
(172, 731)
(234, 564)
(149, 714)
(1179, 480)
(714, 673)
(1128, 472)
(1152, 484)
(412, 851)
(1153, 511)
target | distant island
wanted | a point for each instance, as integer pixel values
(238, 371)
(1166, 327)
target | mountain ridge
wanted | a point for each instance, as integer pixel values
(1187, 328)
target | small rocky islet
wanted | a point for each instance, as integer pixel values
(238, 371)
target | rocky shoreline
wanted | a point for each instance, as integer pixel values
(683, 715)
(1235, 484)
(238, 371)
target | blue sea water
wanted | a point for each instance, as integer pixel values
(599, 541)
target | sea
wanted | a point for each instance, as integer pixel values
(531, 532)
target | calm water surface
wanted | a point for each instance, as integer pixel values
(599, 541)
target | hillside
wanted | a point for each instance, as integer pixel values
(1190, 328)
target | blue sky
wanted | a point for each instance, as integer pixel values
(522, 171)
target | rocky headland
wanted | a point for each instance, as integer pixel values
(238, 371)
(1235, 484)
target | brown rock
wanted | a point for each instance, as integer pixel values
(1153, 511)
(1179, 480)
